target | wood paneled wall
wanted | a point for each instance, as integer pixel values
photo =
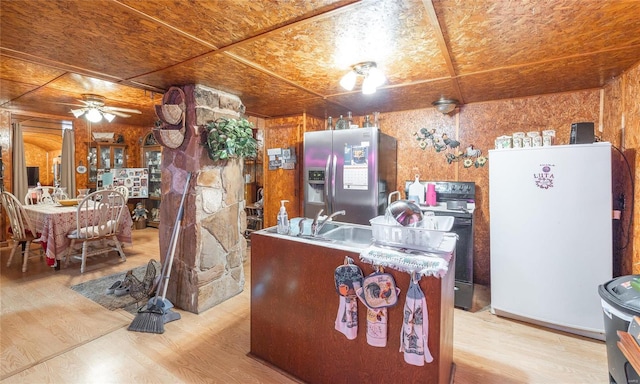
(621, 117)
(282, 184)
(38, 157)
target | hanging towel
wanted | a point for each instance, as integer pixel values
(347, 317)
(421, 262)
(379, 292)
(348, 279)
(414, 335)
(377, 327)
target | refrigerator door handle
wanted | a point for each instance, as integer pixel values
(333, 180)
(327, 201)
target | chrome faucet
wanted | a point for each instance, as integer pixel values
(301, 227)
(317, 226)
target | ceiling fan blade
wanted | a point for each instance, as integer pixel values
(120, 114)
(78, 112)
(69, 104)
(118, 109)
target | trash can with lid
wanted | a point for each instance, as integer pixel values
(620, 303)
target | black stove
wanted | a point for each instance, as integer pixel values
(461, 195)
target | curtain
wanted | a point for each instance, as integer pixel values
(68, 169)
(20, 182)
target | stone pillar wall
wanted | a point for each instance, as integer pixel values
(207, 267)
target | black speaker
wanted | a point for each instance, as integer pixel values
(582, 133)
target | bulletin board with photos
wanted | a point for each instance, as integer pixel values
(135, 179)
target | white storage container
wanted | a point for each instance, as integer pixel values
(386, 232)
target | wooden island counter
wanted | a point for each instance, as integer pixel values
(294, 306)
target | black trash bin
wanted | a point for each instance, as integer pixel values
(620, 303)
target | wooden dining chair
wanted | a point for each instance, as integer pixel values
(39, 195)
(97, 223)
(59, 193)
(124, 190)
(46, 195)
(21, 230)
(254, 219)
(33, 196)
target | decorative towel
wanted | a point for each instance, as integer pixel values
(348, 279)
(377, 327)
(414, 336)
(347, 318)
(420, 262)
(377, 312)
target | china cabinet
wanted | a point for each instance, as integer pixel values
(105, 156)
(151, 159)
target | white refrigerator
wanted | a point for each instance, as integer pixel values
(551, 234)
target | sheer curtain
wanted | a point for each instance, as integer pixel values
(68, 171)
(20, 182)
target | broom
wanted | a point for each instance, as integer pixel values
(151, 318)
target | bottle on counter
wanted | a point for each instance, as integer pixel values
(283, 219)
(329, 123)
(349, 119)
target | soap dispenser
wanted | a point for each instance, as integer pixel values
(283, 219)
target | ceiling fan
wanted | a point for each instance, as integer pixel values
(94, 109)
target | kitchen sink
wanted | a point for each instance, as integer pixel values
(350, 235)
(338, 233)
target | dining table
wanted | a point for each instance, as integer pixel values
(54, 221)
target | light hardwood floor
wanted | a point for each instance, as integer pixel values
(51, 334)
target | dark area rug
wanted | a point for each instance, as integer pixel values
(96, 290)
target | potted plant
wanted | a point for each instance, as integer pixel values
(230, 138)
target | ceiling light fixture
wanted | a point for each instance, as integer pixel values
(445, 106)
(373, 77)
(94, 115)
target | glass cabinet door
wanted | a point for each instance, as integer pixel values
(152, 160)
(92, 160)
(118, 157)
(105, 157)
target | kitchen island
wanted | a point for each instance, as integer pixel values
(294, 306)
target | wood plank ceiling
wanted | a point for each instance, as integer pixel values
(287, 57)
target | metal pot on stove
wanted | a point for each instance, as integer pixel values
(459, 205)
(404, 212)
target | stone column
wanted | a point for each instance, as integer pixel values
(207, 267)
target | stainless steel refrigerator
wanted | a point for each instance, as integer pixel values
(351, 170)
